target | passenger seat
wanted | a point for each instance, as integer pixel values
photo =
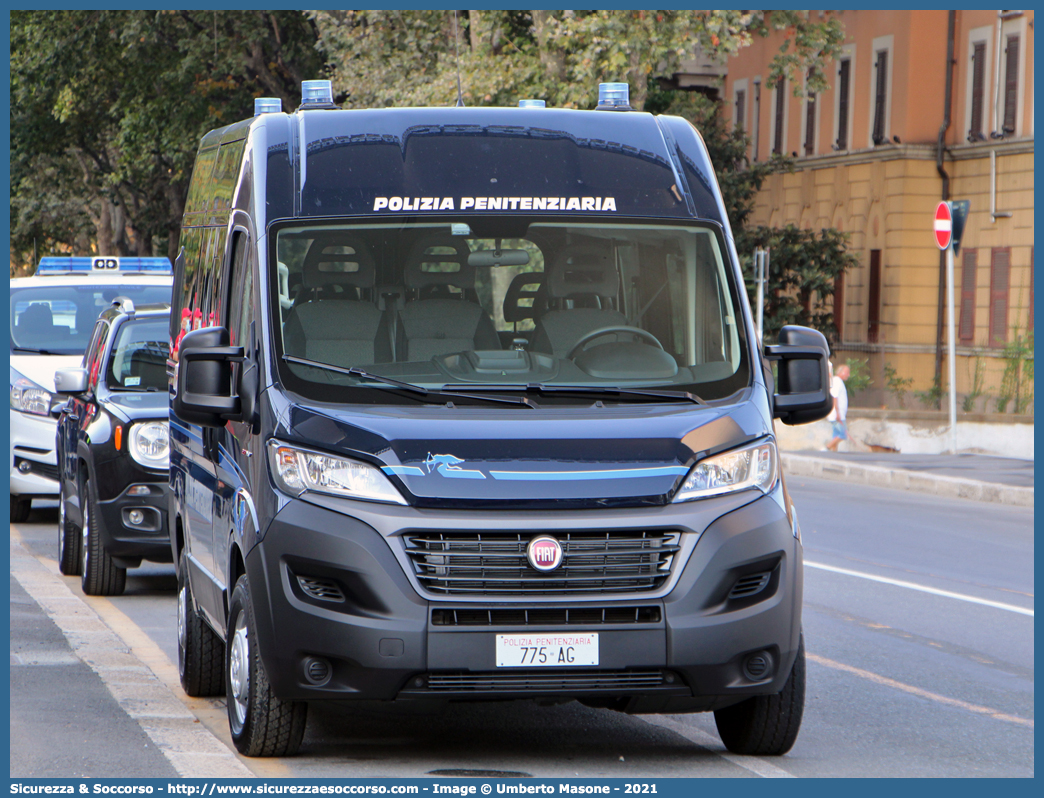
(580, 274)
(342, 332)
(435, 322)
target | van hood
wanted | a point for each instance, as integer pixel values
(555, 457)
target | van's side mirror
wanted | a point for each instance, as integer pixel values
(802, 379)
(205, 394)
(70, 381)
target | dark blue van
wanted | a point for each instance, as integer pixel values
(466, 404)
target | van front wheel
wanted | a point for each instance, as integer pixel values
(261, 724)
(201, 653)
(766, 725)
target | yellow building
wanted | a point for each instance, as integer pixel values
(876, 153)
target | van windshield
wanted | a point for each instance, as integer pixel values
(504, 303)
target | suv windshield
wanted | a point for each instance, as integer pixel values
(505, 303)
(138, 358)
(58, 319)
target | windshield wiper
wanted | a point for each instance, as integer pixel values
(32, 349)
(539, 387)
(406, 386)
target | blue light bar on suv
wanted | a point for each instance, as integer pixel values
(102, 265)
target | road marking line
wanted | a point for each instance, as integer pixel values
(756, 765)
(909, 688)
(922, 588)
(193, 751)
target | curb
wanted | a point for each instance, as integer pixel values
(900, 479)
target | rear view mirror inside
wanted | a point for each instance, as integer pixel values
(499, 257)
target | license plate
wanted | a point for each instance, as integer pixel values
(547, 650)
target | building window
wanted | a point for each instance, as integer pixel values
(880, 97)
(757, 118)
(777, 139)
(1029, 321)
(844, 76)
(1011, 84)
(839, 306)
(873, 310)
(741, 109)
(978, 91)
(1000, 268)
(810, 121)
(966, 328)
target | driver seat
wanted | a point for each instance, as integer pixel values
(581, 275)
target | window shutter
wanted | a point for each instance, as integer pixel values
(1029, 322)
(978, 90)
(810, 121)
(777, 145)
(839, 306)
(842, 104)
(1000, 266)
(966, 333)
(879, 97)
(1011, 85)
(741, 107)
(873, 310)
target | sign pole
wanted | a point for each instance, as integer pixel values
(952, 350)
(759, 277)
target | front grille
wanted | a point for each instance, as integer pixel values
(750, 585)
(543, 616)
(321, 589)
(560, 680)
(488, 563)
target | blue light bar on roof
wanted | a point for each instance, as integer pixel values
(101, 265)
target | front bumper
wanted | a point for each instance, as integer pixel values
(32, 443)
(131, 543)
(683, 648)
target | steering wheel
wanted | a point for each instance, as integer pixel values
(616, 328)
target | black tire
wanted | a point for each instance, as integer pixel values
(201, 653)
(766, 725)
(100, 575)
(69, 545)
(20, 509)
(260, 723)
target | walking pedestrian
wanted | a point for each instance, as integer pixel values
(839, 415)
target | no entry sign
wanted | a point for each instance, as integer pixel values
(943, 225)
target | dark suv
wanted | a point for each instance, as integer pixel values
(112, 445)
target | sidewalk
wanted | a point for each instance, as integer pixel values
(964, 476)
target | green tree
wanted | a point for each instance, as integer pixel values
(108, 107)
(402, 58)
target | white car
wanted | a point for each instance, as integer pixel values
(53, 314)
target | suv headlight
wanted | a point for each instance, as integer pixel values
(754, 466)
(28, 397)
(150, 444)
(298, 470)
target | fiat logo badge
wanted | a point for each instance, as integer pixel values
(544, 553)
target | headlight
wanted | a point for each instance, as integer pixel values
(750, 467)
(150, 444)
(28, 397)
(297, 470)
